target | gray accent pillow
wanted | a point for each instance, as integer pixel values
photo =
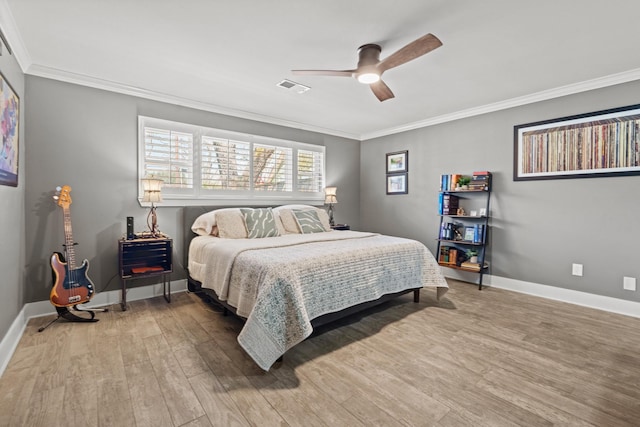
(308, 221)
(260, 223)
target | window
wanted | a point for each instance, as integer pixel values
(199, 163)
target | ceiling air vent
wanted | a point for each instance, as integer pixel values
(297, 87)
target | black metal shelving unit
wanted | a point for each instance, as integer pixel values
(470, 200)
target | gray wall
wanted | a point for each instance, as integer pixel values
(12, 213)
(539, 228)
(87, 139)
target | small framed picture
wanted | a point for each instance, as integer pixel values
(473, 213)
(397, 183)
(469, 234)
(483, 212)
(398, 162)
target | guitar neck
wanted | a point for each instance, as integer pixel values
(68, 239)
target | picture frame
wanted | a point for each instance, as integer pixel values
(469, 234)
(598, 144)
(398, 183)
(483, 211)
(473, 213)
(398, 162)
(10, 126)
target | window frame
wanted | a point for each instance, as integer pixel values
(199, 196)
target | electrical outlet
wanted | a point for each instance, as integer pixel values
(629, 283)
(576, 269)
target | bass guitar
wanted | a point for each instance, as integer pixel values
(71, 285)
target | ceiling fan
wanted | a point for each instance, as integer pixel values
(370, 67)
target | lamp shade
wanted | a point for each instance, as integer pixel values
(152, 189)
(330, 195)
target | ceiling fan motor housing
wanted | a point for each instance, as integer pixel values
(369, 55)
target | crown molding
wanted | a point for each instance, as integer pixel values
(10, 30)
(598, 83)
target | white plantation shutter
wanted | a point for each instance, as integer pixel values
(169, 155)
(272, 168)
(200, 163)
(225, 164)
(310, 171)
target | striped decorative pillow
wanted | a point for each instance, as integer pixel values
(308, 221)
(260, 223)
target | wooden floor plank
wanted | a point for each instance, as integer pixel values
(149, 407)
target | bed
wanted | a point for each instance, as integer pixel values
(285, 271)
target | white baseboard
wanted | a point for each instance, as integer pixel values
(600, 302)
(44, 308)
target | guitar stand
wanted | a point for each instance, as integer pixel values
(66, 314)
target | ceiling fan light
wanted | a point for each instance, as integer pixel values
(368, 78)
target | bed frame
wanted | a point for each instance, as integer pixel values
(192, 212)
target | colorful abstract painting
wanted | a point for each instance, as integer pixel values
(9, 124)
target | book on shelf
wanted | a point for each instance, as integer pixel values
(473, 265)
(453, 256)
(448, 204)
(478, 233)
(444, 255)
(449, 255)
(480, 181)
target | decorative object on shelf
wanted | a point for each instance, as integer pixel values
(469, 234)
(602, 143)
(463, 182)
(10, 124)
(398, 162)
(152, 193)
(472, 255)
(330, 199)
(463, 245)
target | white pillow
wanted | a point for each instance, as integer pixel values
(205, 223)
(289, 221)
(231, 224)
(324, 218)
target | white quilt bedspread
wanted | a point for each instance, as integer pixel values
(280, 284)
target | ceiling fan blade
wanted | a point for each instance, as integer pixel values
(381, 90)
(337, 73)
(413, 50)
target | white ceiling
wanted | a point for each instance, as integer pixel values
(228, 56)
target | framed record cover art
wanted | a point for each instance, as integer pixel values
(602, 143)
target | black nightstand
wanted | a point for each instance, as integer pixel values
(140, 258)
(341, 227)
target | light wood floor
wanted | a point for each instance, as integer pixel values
(479, 358)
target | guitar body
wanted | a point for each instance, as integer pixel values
(70, 286)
